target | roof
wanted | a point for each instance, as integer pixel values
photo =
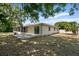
(33, 24)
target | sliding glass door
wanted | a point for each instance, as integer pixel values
(36, 29)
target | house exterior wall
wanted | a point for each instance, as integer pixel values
(31, 29)
(45, 30)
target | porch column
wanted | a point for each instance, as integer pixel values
(41, 29)
(20, 29)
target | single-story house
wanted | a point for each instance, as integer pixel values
(36, 29)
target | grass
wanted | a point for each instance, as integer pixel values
(39, 46)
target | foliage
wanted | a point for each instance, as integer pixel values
(74, 27)
(32, 11)
(63, 25)
(6, 17)
(68, 26)
(15, 14)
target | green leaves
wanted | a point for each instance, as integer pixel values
(6, 17)
(63, 5)
(58, 9)
(71, 12)
(16, 14)
(68, 26)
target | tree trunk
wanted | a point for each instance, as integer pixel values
(74, 32)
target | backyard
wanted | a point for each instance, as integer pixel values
(53, 45)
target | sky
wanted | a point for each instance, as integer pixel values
(63, 16)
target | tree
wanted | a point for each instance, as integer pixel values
(63, 25)
(32, 11)
(6, 17)
(74, 27)
(18, 13)
(68, 26)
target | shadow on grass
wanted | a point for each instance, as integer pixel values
(39, 46)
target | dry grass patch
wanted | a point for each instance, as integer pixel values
(39, 46)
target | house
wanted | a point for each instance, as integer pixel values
(36, 29)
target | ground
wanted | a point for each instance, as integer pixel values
(53, 45)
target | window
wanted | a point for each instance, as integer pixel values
(36, 29)
(25, 29)
(54, 29)
(49, 28)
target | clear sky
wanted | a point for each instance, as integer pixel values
(63, 16)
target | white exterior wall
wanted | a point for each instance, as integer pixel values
(31, 29)
(45, 30)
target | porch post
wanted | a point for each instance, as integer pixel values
(41, 30)
(20, 29)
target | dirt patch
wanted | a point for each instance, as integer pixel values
(39, 46)
(67, 35)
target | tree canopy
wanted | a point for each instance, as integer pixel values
(68, 26)
(11, 14)
(47, 9)
(7, 19)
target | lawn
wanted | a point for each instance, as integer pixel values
(38, 46)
